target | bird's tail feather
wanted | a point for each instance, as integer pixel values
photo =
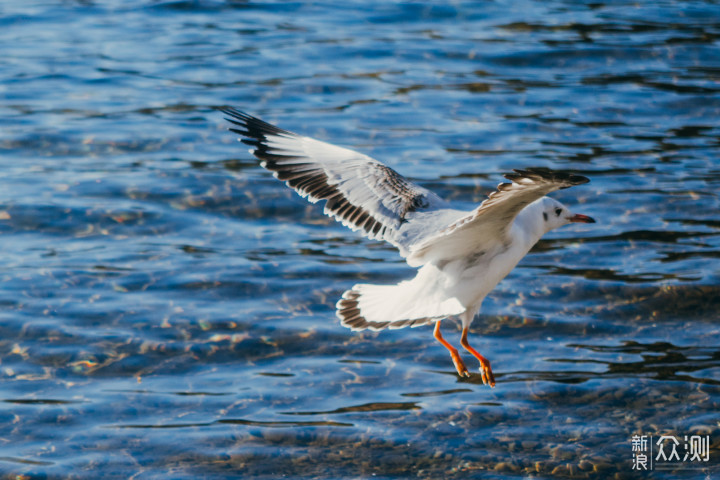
(406, 304)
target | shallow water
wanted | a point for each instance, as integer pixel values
(167, 306)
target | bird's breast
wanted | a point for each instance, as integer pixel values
(475, 276)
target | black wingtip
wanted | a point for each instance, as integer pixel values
(554, 176)
(254, 127)
(238, 115)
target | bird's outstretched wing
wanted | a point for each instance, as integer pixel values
(360, 192)
(489, 224)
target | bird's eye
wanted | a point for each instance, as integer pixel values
(558, 211)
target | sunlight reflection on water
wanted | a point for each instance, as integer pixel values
(168, 305)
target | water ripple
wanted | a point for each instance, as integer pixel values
(156, 281)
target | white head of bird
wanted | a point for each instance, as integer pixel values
(548, 214)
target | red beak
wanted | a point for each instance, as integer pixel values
(581, 219)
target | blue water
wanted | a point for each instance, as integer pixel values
(167, 306)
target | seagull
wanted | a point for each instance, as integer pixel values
(461, 254)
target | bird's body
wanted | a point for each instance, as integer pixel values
(462, 255)
(444, 286)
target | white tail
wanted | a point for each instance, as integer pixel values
(408, 304)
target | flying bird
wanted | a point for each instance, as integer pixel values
(461, 255)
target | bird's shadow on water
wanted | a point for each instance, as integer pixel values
(661, 361)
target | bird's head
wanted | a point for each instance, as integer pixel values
(555, 214)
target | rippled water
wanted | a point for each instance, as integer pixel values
(167, 306)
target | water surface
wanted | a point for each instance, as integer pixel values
(167, 306)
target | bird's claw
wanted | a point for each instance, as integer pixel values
(460, 366)
(487, 375)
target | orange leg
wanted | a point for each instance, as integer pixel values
(459, 365)
(487, 375)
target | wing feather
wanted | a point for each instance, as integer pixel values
(359, 191)
(489, 224)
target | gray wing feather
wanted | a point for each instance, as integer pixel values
(489, 224)
(359, 191)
